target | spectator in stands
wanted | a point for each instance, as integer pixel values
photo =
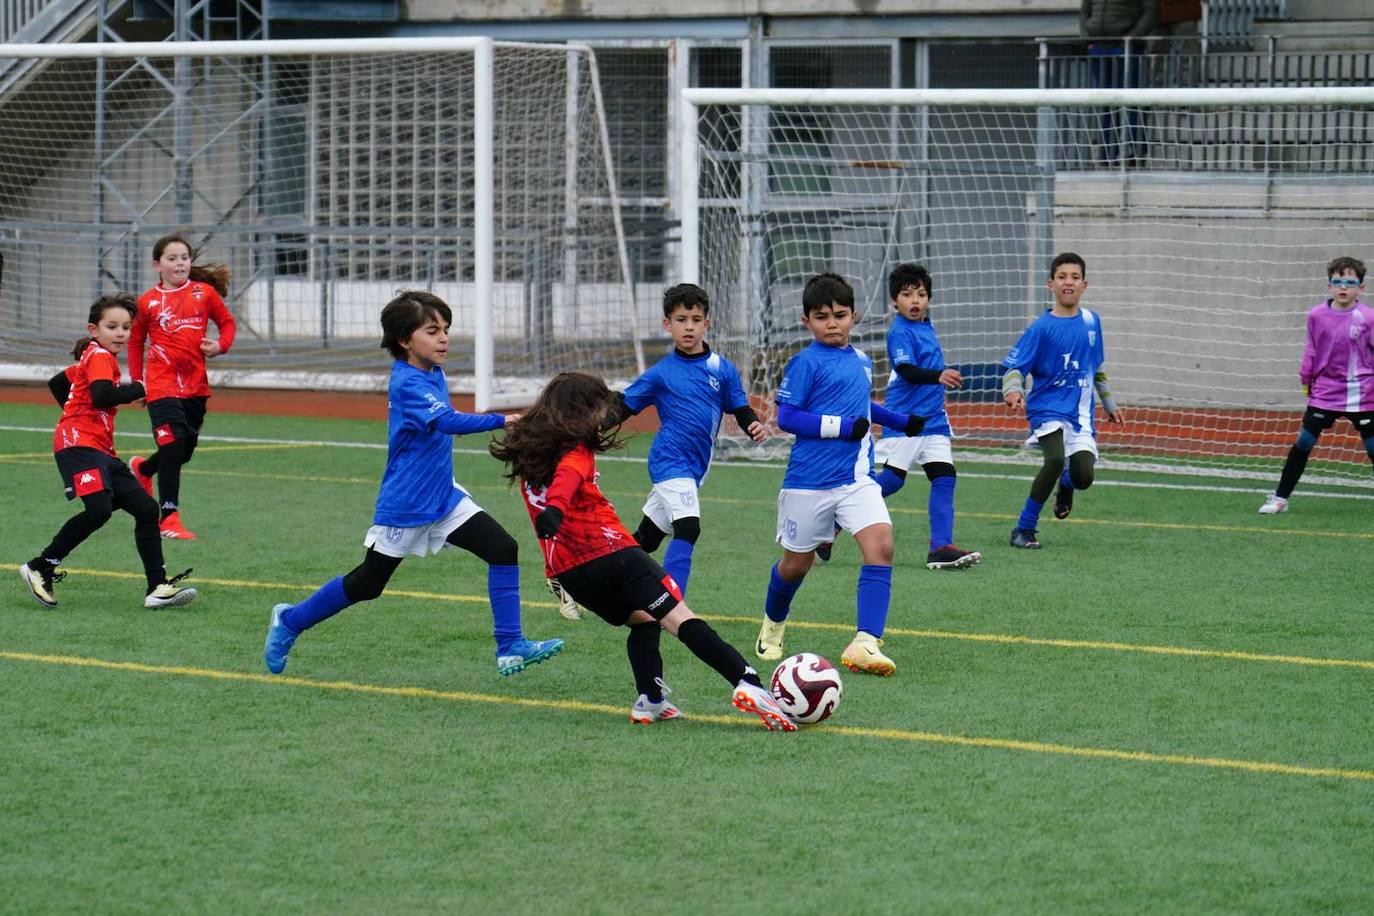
(1108, 23)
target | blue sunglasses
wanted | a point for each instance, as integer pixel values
(1346, 282)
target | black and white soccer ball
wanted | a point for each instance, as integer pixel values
(807, 687)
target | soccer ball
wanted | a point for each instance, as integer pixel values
(807, 687)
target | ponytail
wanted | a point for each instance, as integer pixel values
(81, 344)
(217, 275)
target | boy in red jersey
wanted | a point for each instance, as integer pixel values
(83, 446)
(172, 319)
(552, 455)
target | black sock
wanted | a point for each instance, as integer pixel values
(645, 660)
(697, 635)
(1293, 467)
(149, 465)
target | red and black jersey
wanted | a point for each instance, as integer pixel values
(173, 322)
(83, 425)
(590, 526)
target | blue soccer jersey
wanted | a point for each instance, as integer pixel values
(836, 381)
(418, 486)
(915, 343)
(690, 394)
(1062, 355)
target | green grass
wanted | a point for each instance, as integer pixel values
(988, 774)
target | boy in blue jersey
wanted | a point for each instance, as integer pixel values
(1063, 352)
(825, 401)
(421, 509)
(917, 386)
(691, 388)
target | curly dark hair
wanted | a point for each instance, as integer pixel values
(571, 410)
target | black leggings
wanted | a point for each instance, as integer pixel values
(1081, 465)
(166, 463)
(482, 536)
(96, 511)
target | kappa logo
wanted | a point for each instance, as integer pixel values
(87, 482)
(164, 434)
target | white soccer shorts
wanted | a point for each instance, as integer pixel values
(901, 452)
(807, 518)
(671, 500)
(1074, 442)
(426, 539)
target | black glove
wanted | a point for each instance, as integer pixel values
(914, 425)
(858, 430)
(547, 523)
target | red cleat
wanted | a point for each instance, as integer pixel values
(144, 480)
(171, 529)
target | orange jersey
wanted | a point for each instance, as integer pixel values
(590, 526)
(83, 425)
(172, 322)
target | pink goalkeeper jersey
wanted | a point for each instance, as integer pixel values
(1338, 361)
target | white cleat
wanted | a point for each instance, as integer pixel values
(757, 700)
(1273, 505)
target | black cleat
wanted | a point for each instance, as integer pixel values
(1063, 501)
(1024, 538)
(952, 557)
(823, 552)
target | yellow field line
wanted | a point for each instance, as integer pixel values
(996, 638)
(889, 734)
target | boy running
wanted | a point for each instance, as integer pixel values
(1062, 351)
(825, 400)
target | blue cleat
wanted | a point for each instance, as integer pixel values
(521, 654)
(280, 639)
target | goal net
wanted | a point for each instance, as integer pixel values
(327, 175)
(1206, 219)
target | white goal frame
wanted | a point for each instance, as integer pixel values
(486, 391)
(749, 104)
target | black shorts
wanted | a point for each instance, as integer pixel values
(1318, 419)
(173, 417)
(87, 470)
(614, 586)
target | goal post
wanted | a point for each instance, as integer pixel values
(327, 174)
(1206, 218)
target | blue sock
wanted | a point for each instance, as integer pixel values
(888, 481)
(941, 510)
(1030, 515)
(1065, 480)
(875, 593)
(779, 602)
(327, 601)
(503, 591)
(677, 560)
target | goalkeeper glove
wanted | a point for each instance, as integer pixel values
(547, 523)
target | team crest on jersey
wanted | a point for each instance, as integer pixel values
(1092, 338)
(197, 293)
(713, 382)
(394, 535)
(84, 483)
